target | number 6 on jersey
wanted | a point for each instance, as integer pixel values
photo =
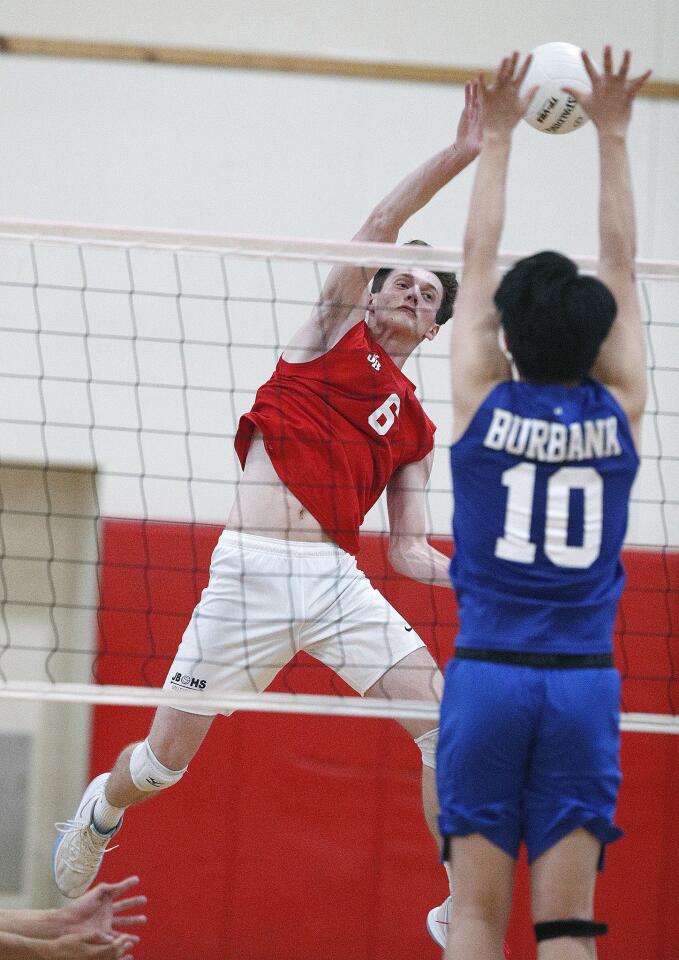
(382, 419)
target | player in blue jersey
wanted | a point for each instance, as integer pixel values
(543, 463)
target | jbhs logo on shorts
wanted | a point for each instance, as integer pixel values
(184, 680)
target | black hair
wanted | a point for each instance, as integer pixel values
(554, 319)
(448, 282)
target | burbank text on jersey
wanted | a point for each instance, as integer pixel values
(552, 442)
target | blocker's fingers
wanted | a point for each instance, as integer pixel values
(512, 63)
(528, 96)
(589, 66)
(521, 76)
(467, 93)
(571, 91)
(509, 66)
(637, 82)
(608, 61)
(502, 70)
(624, 66)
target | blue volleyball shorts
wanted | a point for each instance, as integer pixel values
(528, 754)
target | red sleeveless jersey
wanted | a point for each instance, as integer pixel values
(336, 428)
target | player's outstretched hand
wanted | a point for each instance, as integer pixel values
(98, 911)
(502, 104)
(609, 105)
(93, 946)
(469, 128)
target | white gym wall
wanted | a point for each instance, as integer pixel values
(272, 153)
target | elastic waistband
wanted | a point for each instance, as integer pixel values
(288, 548)
(545, 661)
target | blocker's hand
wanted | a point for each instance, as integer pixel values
(502, 104)
(609, 105)
(97, 911)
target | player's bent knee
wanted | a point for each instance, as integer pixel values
(148, 773)
(572, 927)
(427, 744)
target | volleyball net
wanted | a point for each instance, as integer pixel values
(126, 360)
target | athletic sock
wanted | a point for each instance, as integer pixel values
(106, 817)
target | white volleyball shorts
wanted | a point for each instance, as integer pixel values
(268, 599)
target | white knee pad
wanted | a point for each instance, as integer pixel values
(427, 744)
(147, 771)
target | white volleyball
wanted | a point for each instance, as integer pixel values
(554, 66)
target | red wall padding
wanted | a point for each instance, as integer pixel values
(302, 837)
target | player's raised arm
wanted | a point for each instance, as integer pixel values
(621, 364)
(477, 360)
(344, 297)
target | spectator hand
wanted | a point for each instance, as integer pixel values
(97, 911)
(93, 946)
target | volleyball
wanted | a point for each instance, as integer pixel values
(551, 110)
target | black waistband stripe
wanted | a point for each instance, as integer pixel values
(545, 661)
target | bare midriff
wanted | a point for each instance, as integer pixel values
(265, 507)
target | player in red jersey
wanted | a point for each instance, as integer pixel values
(337, 423)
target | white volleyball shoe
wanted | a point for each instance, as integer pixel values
(438, 919)
(80, 847)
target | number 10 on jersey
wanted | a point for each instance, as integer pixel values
(515, 543)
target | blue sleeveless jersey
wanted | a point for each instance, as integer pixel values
(541, 480)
